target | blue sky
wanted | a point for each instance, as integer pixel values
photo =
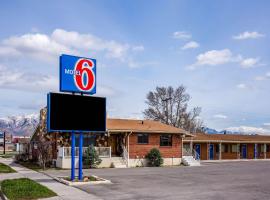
(217, 49)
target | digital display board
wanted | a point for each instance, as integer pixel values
(75, 113)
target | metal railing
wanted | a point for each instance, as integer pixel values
(103, 152)
(193, 153)
(125, 155)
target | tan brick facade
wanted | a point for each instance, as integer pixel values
(140, 150)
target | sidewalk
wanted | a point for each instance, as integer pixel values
(64, 192)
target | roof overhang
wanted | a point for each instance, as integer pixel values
(145, 131)
(226, 141)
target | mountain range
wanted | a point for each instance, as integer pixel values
(241, 130)
(23, 125)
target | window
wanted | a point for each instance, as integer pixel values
(217, 148)
(262, 148)
(225, 148)
(268, 148)
(234, 148)
(166, 140)
(142, 138)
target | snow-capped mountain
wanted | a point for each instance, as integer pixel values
(19, 125)
(238, 130)
(214, 131)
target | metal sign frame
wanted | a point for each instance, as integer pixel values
(75, 131)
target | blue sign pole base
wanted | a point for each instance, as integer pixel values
(80, 157)
(72, 178)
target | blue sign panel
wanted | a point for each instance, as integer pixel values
(77, 74)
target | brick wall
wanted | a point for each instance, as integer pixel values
(140, 150)
(229, 155)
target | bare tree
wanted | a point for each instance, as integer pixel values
(44, 149)
(170, 106)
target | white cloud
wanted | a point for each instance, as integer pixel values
(220, 116)
(181, 35)
(89, 42)
(138, 48)
(49, 47)
(241, 86)
(34, 82)
(191, 45)
(136, 64)
(31, 82)
(215, 57)
(103, 90)
(248, 35)
(249, 62)
(249, 130)
(264, 77)
(6, 51)
(224, 56)
(36, 45)
(266, 124)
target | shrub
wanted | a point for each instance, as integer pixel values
(91, 158)
(154, 158)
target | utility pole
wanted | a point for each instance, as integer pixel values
(4, 142)
(167, 114)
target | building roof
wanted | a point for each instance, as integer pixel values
(227, 138)
(21, 140)
(147, 126)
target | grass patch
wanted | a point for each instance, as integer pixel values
(24, 188)
(6, 169)
(30, 165)
(6, 156)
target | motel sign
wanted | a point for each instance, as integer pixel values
(77, 74)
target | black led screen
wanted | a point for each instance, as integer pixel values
(76, 113)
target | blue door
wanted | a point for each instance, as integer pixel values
(198, 151)
(244, 151)
(211, 152)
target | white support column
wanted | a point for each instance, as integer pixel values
(220, 151)
(264, 151)
(238, 151)
(63, 152)
(128, 150)
(191, 146)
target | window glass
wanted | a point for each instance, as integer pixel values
(142, 138)
(268, 148)
(217, 148)
(166, 140)
(262, 148)
(234, 148)
(223, 148)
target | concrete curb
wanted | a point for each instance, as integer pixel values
(2, 195)
(70, 183)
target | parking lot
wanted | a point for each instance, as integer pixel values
(234, 180)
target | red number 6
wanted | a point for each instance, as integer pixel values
(83, 68)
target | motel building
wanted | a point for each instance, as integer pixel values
(227, 146)
(126, 142)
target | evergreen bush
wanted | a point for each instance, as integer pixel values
(154, 158)
(91, 158)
